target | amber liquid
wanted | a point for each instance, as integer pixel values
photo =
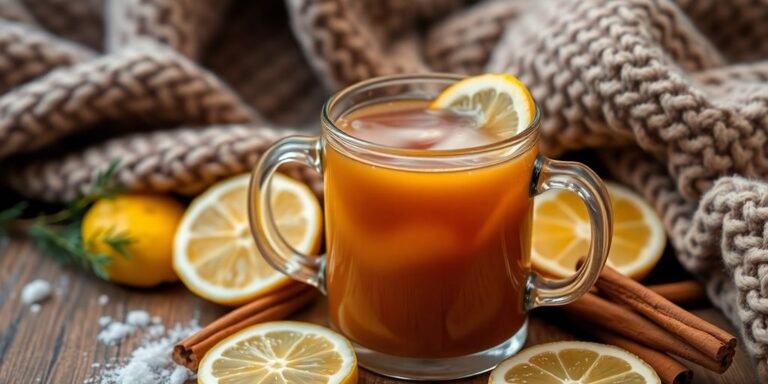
(425, 263)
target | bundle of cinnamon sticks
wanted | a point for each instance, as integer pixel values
(639, 319)
(273, 306)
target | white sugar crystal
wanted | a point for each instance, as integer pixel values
(137, 372)
(156, 330)
(180, 375)
(103, 300)
(115, 332)
(34, 308)
(137, 318)
(35, 291)
(63, 286)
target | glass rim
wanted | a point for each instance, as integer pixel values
(346, 138)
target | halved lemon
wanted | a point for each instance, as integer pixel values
(214, 253)
(280, 352)
(573, 362)
(504, 104)
(561, 233)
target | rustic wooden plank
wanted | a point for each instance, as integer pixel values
(59, 345)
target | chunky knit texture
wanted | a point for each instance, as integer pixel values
(186, 92)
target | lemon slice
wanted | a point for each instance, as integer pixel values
(280, 352)
(504, 104)
(574, 362)
(561, 233)
(214, 253)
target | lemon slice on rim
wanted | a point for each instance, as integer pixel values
(280, 352)
(561, 233)
(573, 362)
(504, 104)
(214, 253)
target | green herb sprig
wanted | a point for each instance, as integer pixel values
(7, 216)
(58, 234)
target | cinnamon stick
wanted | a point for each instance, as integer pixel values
(274, 306)
(670, 371)
(682, 293)
(707, 338)
(622, 320)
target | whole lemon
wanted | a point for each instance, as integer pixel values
(150, 222)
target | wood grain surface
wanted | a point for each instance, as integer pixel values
(58, 344)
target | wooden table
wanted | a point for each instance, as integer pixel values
(58, 344)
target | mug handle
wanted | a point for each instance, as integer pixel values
(273, 247)
(576, 177)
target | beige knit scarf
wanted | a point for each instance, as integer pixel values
(186, 92)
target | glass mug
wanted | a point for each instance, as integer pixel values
(427, 269)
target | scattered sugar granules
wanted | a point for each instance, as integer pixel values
(35, 292)
(137, 318)
(156, 330)
(34, 308)
(103, 300)
(115, 332)
(180, 375)
(151, 362)
(63, 286)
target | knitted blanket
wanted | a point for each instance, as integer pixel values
(186, 92)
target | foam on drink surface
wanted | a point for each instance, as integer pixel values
(411, 124)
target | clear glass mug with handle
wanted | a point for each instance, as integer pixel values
(427, 269)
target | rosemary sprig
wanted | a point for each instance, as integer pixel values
(119, 242)
(65, 245)
(103, 187)
(59, 236)
(8, 215)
